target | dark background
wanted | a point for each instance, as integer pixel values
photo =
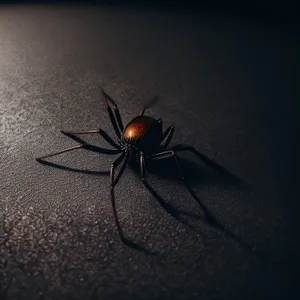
(225, 74)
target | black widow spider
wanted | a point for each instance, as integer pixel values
(140, 140)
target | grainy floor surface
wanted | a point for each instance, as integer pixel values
(227, 84)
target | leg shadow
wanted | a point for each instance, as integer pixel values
(61, 167)
(208, 217)
(65, 168)
(226, 176)
(125, 240)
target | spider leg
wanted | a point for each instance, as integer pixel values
(171, 154)
(142, 111)
(209, 217)
(113, 182)
(93, 131)
(81, 146)
(118, 127)
(142, 166)
(168, 134)
(169, 209)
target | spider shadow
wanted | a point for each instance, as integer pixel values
(202, 171)
(206, 173)
(209, 173)
(208, 217)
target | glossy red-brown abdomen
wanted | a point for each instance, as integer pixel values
(142, 128)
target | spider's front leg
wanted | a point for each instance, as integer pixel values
(116, 121)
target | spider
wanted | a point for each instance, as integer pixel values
(141, 140)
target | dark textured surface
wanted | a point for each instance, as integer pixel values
(228, 86)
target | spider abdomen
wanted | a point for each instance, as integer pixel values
(142, 130)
